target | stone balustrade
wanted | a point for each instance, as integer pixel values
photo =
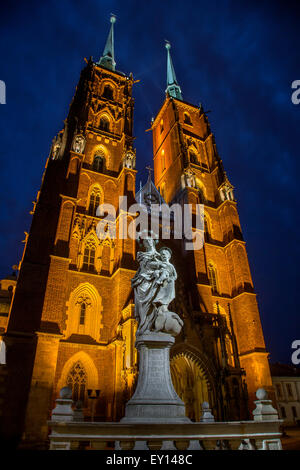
(70, 432)
(236, 435)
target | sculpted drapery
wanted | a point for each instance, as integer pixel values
(154, 289)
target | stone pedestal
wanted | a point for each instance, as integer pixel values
(155, 399)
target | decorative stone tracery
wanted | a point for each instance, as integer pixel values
(87, 293)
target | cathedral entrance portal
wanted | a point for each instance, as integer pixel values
(191, 385)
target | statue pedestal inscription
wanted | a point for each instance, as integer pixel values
(155, 399)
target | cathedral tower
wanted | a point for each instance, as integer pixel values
(71, 320)
(188, 169)
(72, 307)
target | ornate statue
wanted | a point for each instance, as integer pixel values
(59, 143)
(154, 289)
(78, 143)
(188, 179)
(55, 151)
(129, 159)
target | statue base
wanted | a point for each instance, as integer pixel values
(155, 399)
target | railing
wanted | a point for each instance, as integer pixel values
(69, 431)
(242, 435)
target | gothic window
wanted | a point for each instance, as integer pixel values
(206, 229)
(193, 158)
(108, 92)
(104, 124)
(82, 313)
(98, 164)
(76, 380)
(161, 126)
(187, 119)
(163, 160)
(95, 201)
(89, 259)
(212, 277)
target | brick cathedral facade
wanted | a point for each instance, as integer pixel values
(71, 320)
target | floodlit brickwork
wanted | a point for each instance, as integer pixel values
(71, 321)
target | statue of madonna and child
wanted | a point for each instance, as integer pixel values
(155, 399)
(154, 290)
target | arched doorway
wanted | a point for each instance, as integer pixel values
(191, 384)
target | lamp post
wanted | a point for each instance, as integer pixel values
(93, 398)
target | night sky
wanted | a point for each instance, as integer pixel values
(237, 58)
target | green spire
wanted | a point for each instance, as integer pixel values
(108, 57)
(173, 89)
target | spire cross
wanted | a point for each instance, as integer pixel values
(149, 169)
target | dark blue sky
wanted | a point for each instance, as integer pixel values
(237, 58)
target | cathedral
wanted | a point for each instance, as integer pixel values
(71, 319)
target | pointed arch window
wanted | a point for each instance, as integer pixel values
(161, 125)
(108, 92)
(212, 277)
(95, 201)
(187, 119)
(82, 313)
(193, 158)
(88, 260)
(99, 162)
(163, 160)
(207, 229)
(76, 380)
(104, 124)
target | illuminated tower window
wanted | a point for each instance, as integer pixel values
(108, 92)
(95, 202)
(82, 313)
(161, 126)
(98, 164)
(187, 119)
(76, 380)
(193, 158)
(163, 160)
(104, 124)
(206, 229)
(212, 277)
(89, 259)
